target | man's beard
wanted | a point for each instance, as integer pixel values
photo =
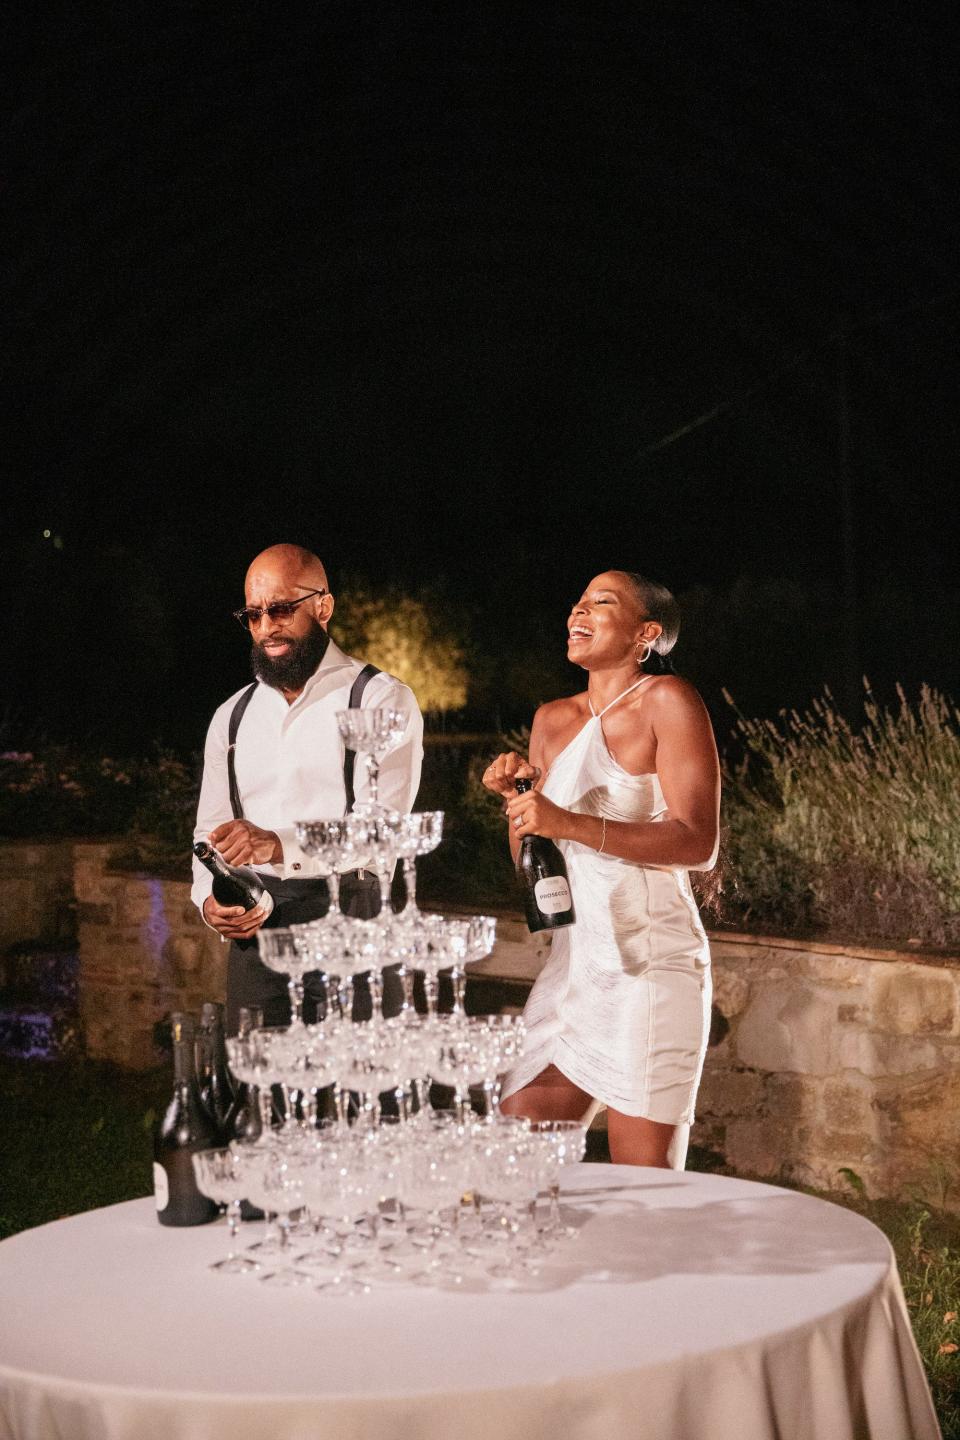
(293, 670)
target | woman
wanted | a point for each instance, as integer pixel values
(628, 783)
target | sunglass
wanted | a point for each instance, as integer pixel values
(282, 610)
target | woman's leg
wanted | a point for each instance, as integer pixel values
(633, 1140)
(549, 1096)
(636, 1141)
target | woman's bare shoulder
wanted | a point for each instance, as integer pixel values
(554, 714)
(671, 689)
(672, 695)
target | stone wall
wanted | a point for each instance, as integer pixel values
(36, 893)
(144, 952)
(821, 1056)
(828, 1056)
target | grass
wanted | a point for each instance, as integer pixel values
(77, 1135)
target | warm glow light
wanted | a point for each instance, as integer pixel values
(401, 635)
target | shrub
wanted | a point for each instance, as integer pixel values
(473, 864)
(63, 792)
(856, 831)
(162, 828)
(66, 792)
(410, 636)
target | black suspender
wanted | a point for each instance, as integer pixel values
(235, 717)
(350, 756)
(349, 759)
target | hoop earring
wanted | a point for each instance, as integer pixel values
(641, 660)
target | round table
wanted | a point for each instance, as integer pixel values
(690, 1307)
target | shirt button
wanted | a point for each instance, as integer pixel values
(295, 865)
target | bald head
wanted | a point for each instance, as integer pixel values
(286, 566)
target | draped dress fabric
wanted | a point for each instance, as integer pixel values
(622, 1007)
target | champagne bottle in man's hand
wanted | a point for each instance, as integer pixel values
(233, 884)
(543, 875)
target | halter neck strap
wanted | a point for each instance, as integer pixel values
(598, 714)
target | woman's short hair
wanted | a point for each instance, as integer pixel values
(658, 604)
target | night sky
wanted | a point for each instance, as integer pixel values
(437, 290)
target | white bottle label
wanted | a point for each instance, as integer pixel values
(161, 1186)
(552, 895)
(266, 901)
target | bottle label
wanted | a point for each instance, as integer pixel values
(161, 1186)
(266, 902)
(552, 895)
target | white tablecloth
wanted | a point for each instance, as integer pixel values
(691, 1307)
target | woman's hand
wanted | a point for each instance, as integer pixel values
(534, 814)
(502, 774)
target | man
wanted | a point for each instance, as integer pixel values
(288, 763)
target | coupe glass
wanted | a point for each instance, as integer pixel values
(353, 1198)
(561, 1142)
(280, 950)
(321, 943)
(377, 837)
(498, 1041)
(277, 1187)
(279, 1055)
(327, 843)
(221, 1176)
(441, 943)
(431, 1178)
(372, 733)
(248, 1056)
(509, 1176)
(419, 834)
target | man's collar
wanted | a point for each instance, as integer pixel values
(334, 659)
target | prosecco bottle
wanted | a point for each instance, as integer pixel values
(543, 875)
(185, 1128)
(233, 884)
(217, 1088)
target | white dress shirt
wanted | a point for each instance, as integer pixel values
(289, 761)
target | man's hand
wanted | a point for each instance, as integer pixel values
(232, 921)
(241, 843)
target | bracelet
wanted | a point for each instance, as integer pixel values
(603, 834)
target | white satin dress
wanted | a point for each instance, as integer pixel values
(622, 1007)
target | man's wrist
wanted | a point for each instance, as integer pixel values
(203, 914)
(296, 863)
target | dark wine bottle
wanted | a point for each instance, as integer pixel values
(233, 884)
(217, 1089)
(543, 875)
(185, 1128)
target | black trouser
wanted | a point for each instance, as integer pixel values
(250, 983)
